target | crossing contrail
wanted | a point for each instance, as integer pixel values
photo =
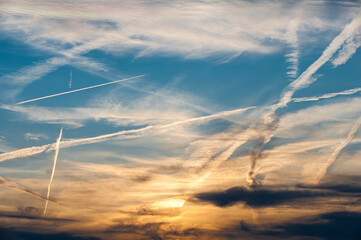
(53, 171)
(78, 90)
(304, 80)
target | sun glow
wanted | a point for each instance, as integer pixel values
(169, 203)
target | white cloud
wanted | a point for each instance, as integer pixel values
(196, 29)
(338, 112)
(35, 136)
(191, 29)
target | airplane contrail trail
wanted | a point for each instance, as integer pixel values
(322, 172)
(53, 171)
(71, 78)
(293, 42)
(78, 90)
(125, 134)
(327, 95)
(4, 182)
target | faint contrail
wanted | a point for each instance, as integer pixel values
(78, 90)
(53, 171)
(322, 172)
(328, 95)
(292, 40)
(71, 78)
(25, 152)
(4, 182)
(215, 163)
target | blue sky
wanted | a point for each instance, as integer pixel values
(239, 100)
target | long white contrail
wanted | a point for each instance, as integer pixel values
(78, 90)
(327, 95)
(53, 171)
(322, 172)
(25, 152)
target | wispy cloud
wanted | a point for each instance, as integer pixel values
(35, 136)
(199, 29)
(115, 109)
(343, 111)
(28, 74)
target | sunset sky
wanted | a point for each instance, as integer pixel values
(180, 120)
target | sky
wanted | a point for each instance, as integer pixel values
(180, 119)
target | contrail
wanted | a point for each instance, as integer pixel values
(328, 95)
(71, 78)
(270, 124)
(322, 172)
(348, 50)
(53, 171)
(4, 182)
(125, 134)
(215, 163)
(305, 79)
(78, 90)
(292, 40)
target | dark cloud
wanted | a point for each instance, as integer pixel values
(332, 226)
(337, 187)
(341, 225)
(31, 213)
(12, 234)
(19, 215)
(142, 178)
(148, 230)
(154, 231)
(148, 211)
(339, 183)
(256, 197)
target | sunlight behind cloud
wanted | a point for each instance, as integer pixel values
(169, 203)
